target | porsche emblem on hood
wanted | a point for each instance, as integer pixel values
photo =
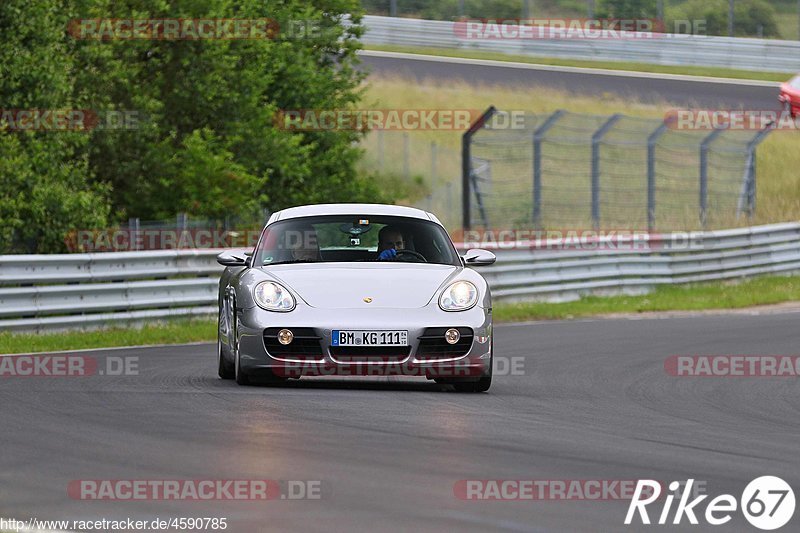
(368, 300)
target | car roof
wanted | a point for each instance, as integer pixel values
(352, 209)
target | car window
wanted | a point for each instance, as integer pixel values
(354, 238)
(795, 82)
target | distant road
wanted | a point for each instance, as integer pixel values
(646, 87)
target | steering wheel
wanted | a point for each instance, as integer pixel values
(411, 253)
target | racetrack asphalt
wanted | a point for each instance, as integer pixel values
(593, 402)
(656, 89)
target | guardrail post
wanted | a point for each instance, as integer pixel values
(538, 135)
(133, 232)
(466, 164)
(704, 173)
(596, 138)
(651, 175)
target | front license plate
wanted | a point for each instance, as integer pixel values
(358, 337)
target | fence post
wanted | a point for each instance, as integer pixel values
(434, 157)
(651, 175)
(466, 164)
(747, 194)
(704, 173)
(538, 135)
(406, 155)
(596, 138)
(380, 150)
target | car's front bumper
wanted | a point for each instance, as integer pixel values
(476, 362)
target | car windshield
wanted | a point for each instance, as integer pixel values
(795, 82)
(355, 238)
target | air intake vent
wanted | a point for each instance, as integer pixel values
(432, 344)
(305, 344)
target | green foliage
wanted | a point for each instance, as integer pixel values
(44, 175)
(209, 145)
(449, 9)
(627, 9)
(748, 15)
(205, 141)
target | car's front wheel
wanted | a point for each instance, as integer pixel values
(483, 383)
(225, 369)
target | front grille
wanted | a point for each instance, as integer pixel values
(355, 354)
(305, 344)
(432, 344)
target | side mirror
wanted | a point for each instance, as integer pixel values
(479, 257)
(232, 259)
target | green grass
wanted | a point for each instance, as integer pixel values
(177, 332)
(714, 72)
(697, 297)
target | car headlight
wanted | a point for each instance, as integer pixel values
(459, 296)
(273, 297)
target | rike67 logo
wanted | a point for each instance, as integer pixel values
(767, 503)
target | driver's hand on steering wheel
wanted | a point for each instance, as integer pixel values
(388, 255)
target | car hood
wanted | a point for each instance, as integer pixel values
(345, 286)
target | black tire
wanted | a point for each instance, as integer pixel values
(225, 369)
(239, 374)
(480, 385)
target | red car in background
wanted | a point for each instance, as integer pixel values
(790, 96)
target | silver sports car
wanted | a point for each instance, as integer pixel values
(355, 290)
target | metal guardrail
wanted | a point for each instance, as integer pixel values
(47, 292)
(662, 49)
(88, 290)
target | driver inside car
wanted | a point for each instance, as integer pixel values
(390, 240)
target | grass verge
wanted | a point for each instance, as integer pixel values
(697, 297)
(694, 297)
(714, 72)
(176, 332)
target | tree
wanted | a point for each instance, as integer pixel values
(45, 180)
(215, 100)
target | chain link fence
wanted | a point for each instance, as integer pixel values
(570, 170)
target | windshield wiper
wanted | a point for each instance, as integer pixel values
(291, 262)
